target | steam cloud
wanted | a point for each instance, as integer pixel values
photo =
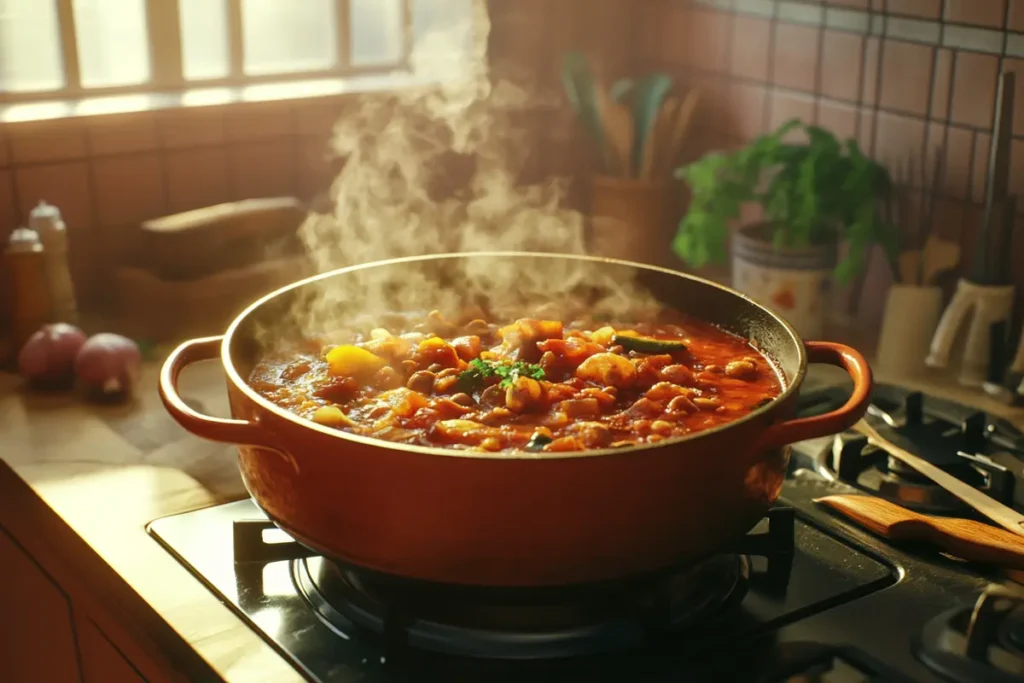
(398, 149)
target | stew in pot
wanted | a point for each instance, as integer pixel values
(531, 384)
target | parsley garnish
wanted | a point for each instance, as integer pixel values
(479, 370)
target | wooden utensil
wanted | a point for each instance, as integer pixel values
(681, 122)
(940, 256)
(965, 538)
(648, 97)
(983, 271)
(1000, 514)
(617, 131)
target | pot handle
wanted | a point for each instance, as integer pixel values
(240, 432)
(841, 419)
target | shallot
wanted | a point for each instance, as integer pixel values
(108, 365)
(48, 357)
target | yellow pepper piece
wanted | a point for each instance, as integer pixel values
(353, 361)
(331, 416)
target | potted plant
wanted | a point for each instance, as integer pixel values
(814, 194)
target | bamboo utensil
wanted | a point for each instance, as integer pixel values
(965, 538)
(637, 126)
(983, 269)
(674, 121)
(1002, 515)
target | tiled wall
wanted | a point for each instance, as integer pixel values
(108, 173)
(898, 75)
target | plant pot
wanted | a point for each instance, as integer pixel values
(631, 218)
(910, 318)
(794, 282)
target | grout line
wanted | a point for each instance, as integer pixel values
(818, 75)
(935, 32)
(879, 72)
(769, 92)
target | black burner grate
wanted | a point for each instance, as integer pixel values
(528, 623)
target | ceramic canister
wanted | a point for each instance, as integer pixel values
(794, 282)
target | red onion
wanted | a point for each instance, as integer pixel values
(108, 365)
(48, 357)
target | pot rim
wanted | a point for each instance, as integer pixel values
(243, 386)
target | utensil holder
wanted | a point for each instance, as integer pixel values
(979, 307)
(632, 218)
(908, 322)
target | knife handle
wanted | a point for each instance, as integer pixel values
(965, 538)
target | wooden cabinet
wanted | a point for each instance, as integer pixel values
(37, 640)
(101, 661)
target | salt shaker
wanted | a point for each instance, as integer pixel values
(31, 305)
(46, 221)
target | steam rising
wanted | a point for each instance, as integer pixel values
(394, 198)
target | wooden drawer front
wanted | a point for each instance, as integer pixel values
(37, 640)
(102, 662)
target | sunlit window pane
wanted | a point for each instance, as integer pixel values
(30, 57)
(112, 42)
(449, 21)
(376, 27)
(283, 37)
(204, 39)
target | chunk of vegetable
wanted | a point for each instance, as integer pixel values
(666, 391)
(468, 347)
(352, 361)
(539, 440)
(608, 369)
(436, 350)
(466, 431)
(403, 401)
(647, 344)
(580, 407)
(677, 374)
(331, 416)
(571, 351)
(741, 369)
(524, 394)
(593, 434)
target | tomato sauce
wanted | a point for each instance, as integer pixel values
(531, 384)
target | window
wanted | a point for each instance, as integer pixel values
(74, 48)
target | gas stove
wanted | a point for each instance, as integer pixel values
(805, 596)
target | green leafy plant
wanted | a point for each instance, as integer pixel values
(816, 192)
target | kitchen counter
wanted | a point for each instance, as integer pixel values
(107, 471)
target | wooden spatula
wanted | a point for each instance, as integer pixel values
(1003, 515)
(965, 538)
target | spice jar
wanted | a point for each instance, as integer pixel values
(46, 221)
(30, 305)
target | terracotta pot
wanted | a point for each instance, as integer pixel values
(632, 219)
(796, 283)
(513, 519)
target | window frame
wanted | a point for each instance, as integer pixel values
(163, 28)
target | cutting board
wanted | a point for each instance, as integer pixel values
(203, 242)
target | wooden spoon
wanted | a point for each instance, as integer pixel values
(673, 140)
(617, 123)
(1002, 515)
(965, 538)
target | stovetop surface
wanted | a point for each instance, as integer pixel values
(849, 608)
